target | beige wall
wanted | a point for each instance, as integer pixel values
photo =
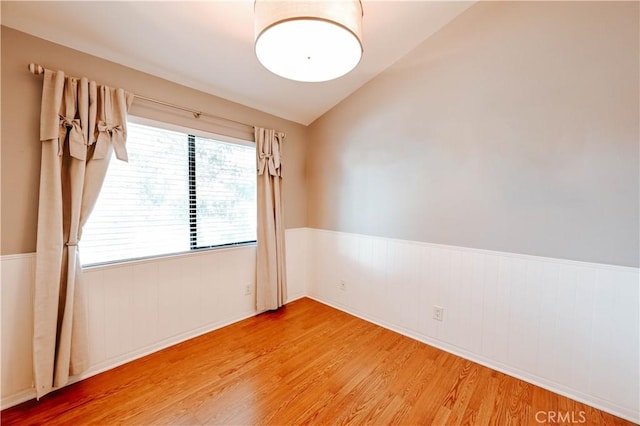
(20, 116)
(515, 128)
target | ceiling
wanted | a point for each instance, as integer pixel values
(208, 45)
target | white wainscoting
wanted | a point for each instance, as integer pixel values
(139, 307)
(18, 275)
(571, 327)
(297, 262)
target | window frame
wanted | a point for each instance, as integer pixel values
(191, 202)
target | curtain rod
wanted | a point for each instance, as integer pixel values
(39, 69)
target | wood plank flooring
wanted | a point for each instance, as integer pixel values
(305, 364)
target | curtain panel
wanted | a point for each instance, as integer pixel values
(271, 282)
(81, 124)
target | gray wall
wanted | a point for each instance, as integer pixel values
(515, 128)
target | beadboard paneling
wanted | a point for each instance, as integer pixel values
(136, 308)
(297, 263)
(18, 275)
(140, 307)
(571, 327)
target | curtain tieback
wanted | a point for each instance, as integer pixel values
(114, 134)
(270, 160)
(77, 144)
(70, 244)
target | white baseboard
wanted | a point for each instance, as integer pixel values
(568, 326)
(598, 403)
(29, 394)
(19, 271)
(394, 283)
(18, 398)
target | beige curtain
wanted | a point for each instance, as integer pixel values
(271, 280)
(81, 123)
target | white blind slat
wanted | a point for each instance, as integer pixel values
(146, 208)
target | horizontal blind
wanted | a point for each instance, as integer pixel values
(176, 193)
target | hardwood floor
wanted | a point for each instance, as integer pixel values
(305, 364)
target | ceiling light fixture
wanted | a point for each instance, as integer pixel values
(310, 41)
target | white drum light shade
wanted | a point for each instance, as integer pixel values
(308, 41)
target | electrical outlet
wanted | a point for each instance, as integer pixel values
(438, 313)
(247, 290)
(343, 285)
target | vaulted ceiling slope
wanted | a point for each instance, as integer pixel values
(208, 45)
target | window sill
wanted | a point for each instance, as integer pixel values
(157, 258)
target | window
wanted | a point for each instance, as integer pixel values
(178, 192)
